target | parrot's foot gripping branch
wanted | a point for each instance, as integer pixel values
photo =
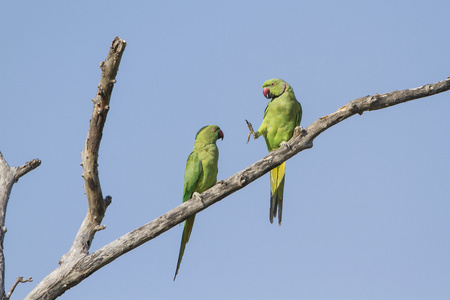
(298, 130)
(285, 144)
(196, 195)
(223, 182)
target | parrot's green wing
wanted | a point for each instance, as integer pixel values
(299, 114)
(191, 176)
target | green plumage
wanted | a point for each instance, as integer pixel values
(200, 174)
(283, 113)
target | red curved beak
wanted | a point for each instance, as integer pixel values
(266, 92)
(221, 135)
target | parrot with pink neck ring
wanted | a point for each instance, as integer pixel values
(282, 115)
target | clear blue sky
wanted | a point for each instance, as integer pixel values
(367, 210)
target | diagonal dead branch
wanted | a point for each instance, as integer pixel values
(239, 180)
(88, 264)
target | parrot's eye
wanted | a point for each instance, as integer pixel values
(213, 129)
(272, 84)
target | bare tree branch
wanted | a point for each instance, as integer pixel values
(29, 166)
(49, 287)
(89, 155)
(18, 280)
(302, 139)
(8, 176)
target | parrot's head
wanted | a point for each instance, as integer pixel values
(274, 87)
(209, 134)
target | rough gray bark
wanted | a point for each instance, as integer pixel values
(9, 176)
(77, 264)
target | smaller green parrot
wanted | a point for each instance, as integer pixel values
(283, 113)
(200, 174)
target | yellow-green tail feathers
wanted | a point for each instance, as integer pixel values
(188, 224)
(276, 192)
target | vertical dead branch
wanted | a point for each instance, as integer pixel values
(54, 284)
(89, 155)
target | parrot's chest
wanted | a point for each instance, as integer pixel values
(279, 115)
(209, 158)
(280, 108)
(280, 122)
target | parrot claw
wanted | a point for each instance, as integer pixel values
(248, 137)
(196, 196)
(252, 132)
(298, 130)
(285, 144)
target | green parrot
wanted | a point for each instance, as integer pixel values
(283, 113)
(200, 174)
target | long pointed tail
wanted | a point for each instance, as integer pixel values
(188, 224)
(276, 192)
